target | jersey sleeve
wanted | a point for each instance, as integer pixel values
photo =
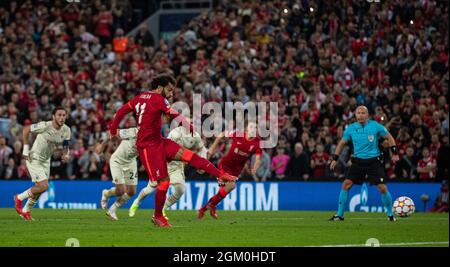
(120, 114)
(67, 137)
(381, 130)
(40, 127)
(346, 136)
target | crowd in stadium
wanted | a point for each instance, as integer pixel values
(318, 61)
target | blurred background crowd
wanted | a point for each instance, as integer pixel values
(318, 60)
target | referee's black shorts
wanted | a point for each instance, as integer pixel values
(371, 170)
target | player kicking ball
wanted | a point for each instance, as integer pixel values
(50, 135)
(244, 145)
(176, 169)
(123, 166)
(154, 150)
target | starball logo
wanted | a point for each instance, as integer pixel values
(262, 114)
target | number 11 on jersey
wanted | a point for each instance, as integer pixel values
(140, 111)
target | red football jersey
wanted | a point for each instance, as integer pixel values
(148, 108)
(240, 151)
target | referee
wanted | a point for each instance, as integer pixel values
(367, 162)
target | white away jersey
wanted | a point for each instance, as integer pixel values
(47, 140)
(181, 136)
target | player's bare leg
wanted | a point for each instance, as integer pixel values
(160, 198)
(123, 193)
(117, 190)
(141, 196)
(32, 195)
(224, 190)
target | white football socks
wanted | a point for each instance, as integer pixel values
(25, 194)
(110, 192)
(175, 196)
(143, 194)
(29, 205)
(119, 202)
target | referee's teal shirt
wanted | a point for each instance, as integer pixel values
(365, 138)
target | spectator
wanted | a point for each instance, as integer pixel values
(279, 163)
(45, 108)
(344, 76)
(442, 160)
(89, 164)
(298, 166)
(257, 53)
(57, 167)
(319, 161)
(441, 203)
(5, 153)
(10, 171)
(22, 171)
(263, 172)
(406, 167)
(120, 42)
(103, 22)
(144, 37)
(426, 166)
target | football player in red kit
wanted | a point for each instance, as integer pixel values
(244, 145)
(154, 150)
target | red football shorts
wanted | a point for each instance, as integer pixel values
(155, 158)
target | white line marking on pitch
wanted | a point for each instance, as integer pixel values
(389, 244)
(277, 219)
(428, 219)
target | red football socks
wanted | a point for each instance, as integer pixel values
(160, 197)
(203, 164)
(218, 197)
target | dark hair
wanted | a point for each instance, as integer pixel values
(58, 108)
(162, 80)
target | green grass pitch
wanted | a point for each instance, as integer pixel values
(233, 228)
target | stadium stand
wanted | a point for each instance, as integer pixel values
(318, 61)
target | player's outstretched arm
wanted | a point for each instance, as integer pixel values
(256, 165)
(336, 154)
(100, 148)
(175, 115)
(25, 137)
(213, 147)
(120, 114)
